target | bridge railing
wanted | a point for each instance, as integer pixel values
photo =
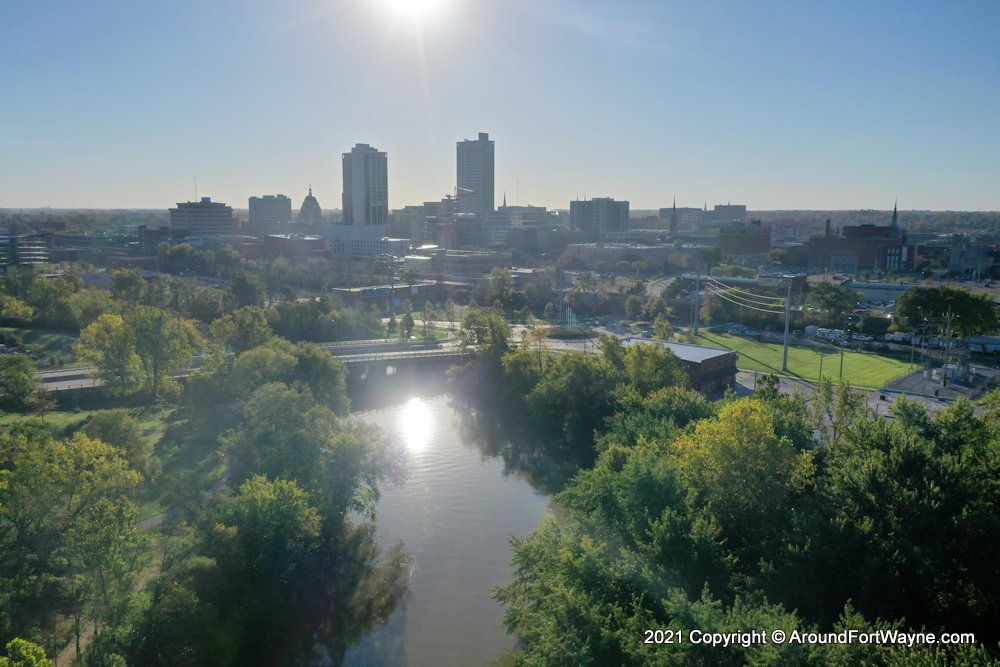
(406, 354)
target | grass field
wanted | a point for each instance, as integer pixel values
(54, 348)
(61, 420)
(861, 369)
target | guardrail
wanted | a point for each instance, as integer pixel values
(454, 353)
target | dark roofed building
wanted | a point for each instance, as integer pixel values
(708, 368)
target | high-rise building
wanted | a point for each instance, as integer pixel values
(269, 211)
(366, 186)
(601, 219)
(310, 212)
(202, 218)
(475, 190)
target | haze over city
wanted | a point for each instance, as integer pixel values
(779, 105)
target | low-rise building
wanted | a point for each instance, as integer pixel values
(861, 248)
(709, 369)
(26, 250)
(745, 244)
(294, 246)
(655, 255)
(440, 262)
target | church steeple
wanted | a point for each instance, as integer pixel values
(505, 199)
(895, 216)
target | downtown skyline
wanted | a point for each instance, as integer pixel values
(782, 107)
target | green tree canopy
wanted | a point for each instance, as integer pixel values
(970, 312)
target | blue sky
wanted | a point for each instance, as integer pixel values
(773, 104)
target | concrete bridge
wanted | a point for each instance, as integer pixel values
(364, 359)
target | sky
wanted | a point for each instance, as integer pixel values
(778, 105)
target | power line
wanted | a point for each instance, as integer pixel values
(742, 305)
(736, 289)
(743, 298)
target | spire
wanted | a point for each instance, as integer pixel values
(673, 219)
(505, 199)
(310, 189)
(895, 215)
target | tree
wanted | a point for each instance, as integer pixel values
(242, 329)
(662, 328)
(525, 315)
(70, 537)
(501, 285)
(86, 305)
(889, 481)
(834, 300)
(406, 324)
(120, 429)
(633, 306)
(266, 534)
(246, 289)
(12, 308)
(550, 311)
(970, 312)
(48, 297)
(410, 277)
(163, 343)
(573, 398)
(429, 316)
(649, 367)
(449, 308)
(22, 653)
(19, 388)
(207, 304)
(128, 285)
(109, 344)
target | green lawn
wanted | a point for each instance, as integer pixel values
(55, 348)
(861, 369)
(61, 420)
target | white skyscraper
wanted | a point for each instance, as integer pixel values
(366, 186)
(475, 175)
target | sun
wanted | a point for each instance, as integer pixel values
(413, 9)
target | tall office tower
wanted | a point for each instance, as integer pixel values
(366, 186)
(601, 219)
(475, 175)
(269, 211)
(310, 212)
(202, 218)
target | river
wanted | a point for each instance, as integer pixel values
(454, 515)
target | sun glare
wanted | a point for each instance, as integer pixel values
(414, 9)
(415, 422)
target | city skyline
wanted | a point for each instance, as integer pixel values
(782, 107)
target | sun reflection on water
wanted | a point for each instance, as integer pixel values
(415, 422)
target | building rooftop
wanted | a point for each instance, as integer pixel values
(685, 352)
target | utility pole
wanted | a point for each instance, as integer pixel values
(697, 300)
(847, 327)
(788, 305)
(948, 346)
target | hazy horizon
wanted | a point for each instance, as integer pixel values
(779, 106)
